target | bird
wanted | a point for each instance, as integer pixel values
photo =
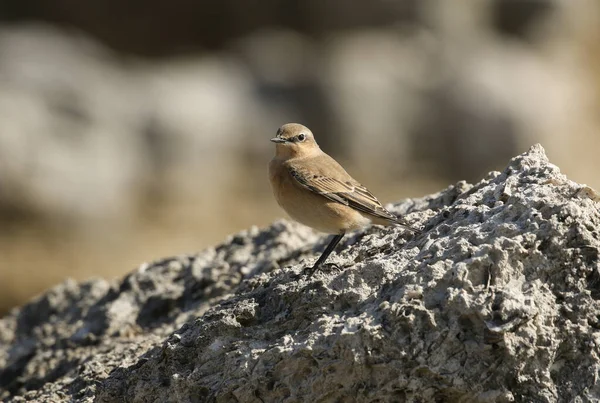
(315, 190)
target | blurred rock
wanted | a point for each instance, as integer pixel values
(82, 136)
(496, 302)
(67, 118)
(89, 134)
(376, 82)
(289, 75)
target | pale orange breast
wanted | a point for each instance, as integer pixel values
(309, 208)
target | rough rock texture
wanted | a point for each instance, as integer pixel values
(498, 301)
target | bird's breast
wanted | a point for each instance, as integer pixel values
(309, 208)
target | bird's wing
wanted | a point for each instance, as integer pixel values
(344, 190)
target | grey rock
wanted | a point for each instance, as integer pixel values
(497, 301)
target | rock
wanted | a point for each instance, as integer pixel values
(85, 139)
(498, 301)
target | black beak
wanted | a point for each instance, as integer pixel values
(278, 140)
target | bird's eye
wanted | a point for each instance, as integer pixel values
(301, 137)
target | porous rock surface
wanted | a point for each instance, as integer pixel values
(498, 301)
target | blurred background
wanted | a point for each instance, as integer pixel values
(131, 131)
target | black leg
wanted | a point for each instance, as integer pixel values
(334, 241)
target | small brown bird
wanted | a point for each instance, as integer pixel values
(316, 191)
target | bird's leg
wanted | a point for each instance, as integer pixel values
(334, 242)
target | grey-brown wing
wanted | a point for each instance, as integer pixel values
(349, 193)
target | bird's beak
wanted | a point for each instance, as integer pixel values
(278, 140)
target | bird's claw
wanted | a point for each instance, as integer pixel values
(326, 267)
(332, 266)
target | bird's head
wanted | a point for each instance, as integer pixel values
(294, 140)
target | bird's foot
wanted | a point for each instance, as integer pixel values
(309, 271)
(325, 267)
(331, 266)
